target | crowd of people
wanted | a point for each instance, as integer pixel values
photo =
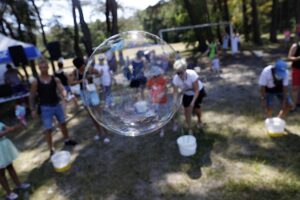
(273, 82)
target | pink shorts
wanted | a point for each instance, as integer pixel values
(295, 76)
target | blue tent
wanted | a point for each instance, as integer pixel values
(30, 50)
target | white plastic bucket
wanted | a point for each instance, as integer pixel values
(61, 161)
(275, 126)
(187, 145)
(141, 106)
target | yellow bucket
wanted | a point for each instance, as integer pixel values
(61, 161)
(63, 169)
(275, 127)
(276, 134)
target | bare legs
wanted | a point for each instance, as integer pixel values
(13, 175)
(48, 135)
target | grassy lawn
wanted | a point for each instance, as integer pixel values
(235, 158)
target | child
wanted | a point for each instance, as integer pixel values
(8, 154)
(215, 65)
(158, 91)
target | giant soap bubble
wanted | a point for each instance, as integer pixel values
(138, 98)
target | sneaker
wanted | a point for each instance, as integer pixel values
(70, 142)
(12, 196)
(24, 186)
(199, 125)
(175, 127)
(96, 137)
(106, 140)
(162, 133)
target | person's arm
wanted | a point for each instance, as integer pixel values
(263, 98)
(6, 79)
(292, 52)
(8, 129)
(73, 80)
(61, 88)
(33, 92)
(196, 91)
(22, 77)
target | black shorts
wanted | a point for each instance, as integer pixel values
(140, 82)
(186, 101)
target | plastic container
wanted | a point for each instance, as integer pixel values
(141, 106)
(275, 126)
(61, 161)
(187, 145)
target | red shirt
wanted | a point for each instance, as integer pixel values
(157, 87)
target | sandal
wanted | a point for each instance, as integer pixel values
(12, 196)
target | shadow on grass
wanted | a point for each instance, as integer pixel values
(127, 168)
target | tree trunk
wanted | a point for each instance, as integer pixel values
(226, 11)
(198, 14)
(114, 12)
(255, 24)
(33, 68)
(77, 49)
(87, 40)
(20, 33)
(41, 23)
(107, 15)
(43, 31)
(297, 12)
(245, 21)
(8, 26)
(274, 21)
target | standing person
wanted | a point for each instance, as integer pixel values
(105, 79)
(45, 87)
(65, 82)
(287, 37)
(193, 91)
(216, 65)
(14, 78)
(212, 49)
(294, 56)
(235, 43)
(138, 79)
(90, 98)
(225, 41)
(273, 82)
(8, 153)
(157, 84)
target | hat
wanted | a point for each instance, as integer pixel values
(140, 53)
(60, 60)
(280, 69)
(154, 71)
(101, 57)
(180, 65)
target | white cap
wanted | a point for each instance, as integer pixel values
(60, 60)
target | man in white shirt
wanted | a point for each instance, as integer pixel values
(193, 91)
(273, 82)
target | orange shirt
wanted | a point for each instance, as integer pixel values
(157, 87)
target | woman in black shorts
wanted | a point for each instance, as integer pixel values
(187, 80)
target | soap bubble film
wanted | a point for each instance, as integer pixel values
(128, 83)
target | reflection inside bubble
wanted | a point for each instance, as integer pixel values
(127, 83)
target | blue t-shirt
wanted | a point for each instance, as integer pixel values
(137, 69)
